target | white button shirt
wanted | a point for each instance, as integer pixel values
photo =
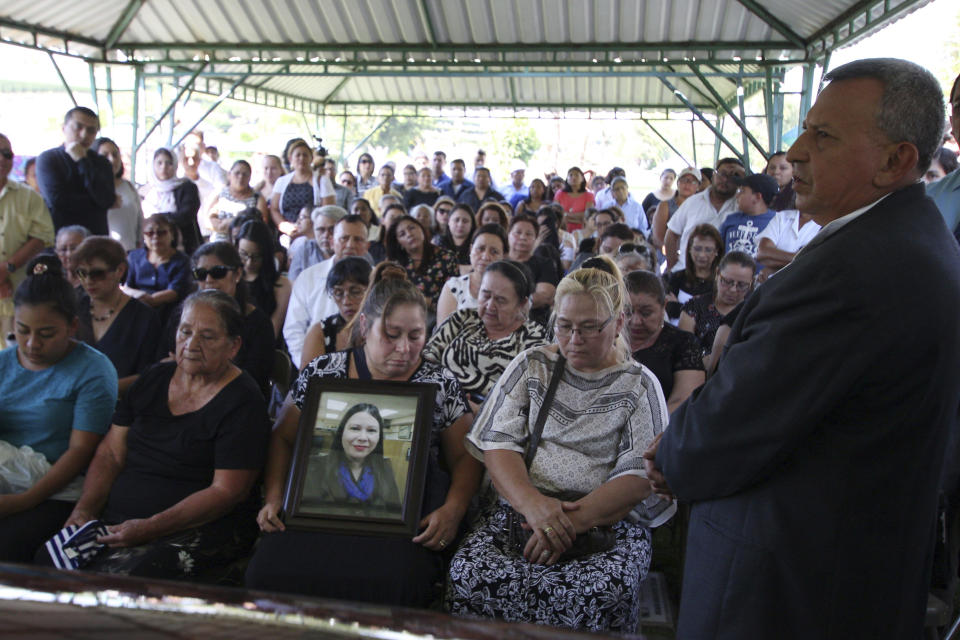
(695, 210)
(309, 304)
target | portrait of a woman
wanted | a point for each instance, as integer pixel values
(355, 471)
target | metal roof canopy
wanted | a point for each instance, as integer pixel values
(525, 58)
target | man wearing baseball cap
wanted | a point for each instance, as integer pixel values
(739, 230)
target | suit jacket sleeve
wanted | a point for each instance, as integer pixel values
(771, 390)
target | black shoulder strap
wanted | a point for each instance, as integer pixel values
(544, 410)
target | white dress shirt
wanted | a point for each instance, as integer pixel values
(695, 210)
(309, 304)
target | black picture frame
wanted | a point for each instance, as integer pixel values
(318, 492)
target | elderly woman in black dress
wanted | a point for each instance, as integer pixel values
(173, 478)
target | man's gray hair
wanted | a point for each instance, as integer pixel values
(331, 211)
(911, 107)
(78, 229)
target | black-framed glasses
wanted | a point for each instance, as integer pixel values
(734, 284)
(353, 293)
(92, 274)
(586, 331)
(218, 272)
(7, 154)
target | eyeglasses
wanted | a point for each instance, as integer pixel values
(444, 211)
(7, 154)
(218, 272)
(93, 274)
(353, 293)
(155, 232)
(586, 331)
(688, 180)
(734, 284)
(248, 257)
(366, 161)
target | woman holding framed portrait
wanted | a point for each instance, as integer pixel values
(387, 570)
(562, 436)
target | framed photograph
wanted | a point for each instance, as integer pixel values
(360, 459)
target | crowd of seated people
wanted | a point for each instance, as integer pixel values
(145, 341)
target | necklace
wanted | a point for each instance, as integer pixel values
(109, 312)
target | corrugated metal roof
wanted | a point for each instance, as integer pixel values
(490, 52)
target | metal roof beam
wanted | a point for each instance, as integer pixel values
(740, 123)
(122, 23)
(406, 47)
(697, 112)
(62, 79)
(223, 96)
(775, 23)
(66, 36)
(667, 142)
(477, 73)
(427, 22)
(183, 90)
(817, 43)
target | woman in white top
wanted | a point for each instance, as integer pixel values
(587, 471)
(489, 244)
(301, 187)
(236, 197)
(125, 218)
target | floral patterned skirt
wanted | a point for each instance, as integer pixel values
(599, 592)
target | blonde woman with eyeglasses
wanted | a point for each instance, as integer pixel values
(585, 476)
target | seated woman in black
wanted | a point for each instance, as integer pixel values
(124, 329)
(354, 474)
(173, 477)
(704, 252)
(671, 354)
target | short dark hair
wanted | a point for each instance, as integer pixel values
(100, 247)
(440, 153)
(730, 160)
(519, 275)
(46, 284)
(90, 113)
(523, 217)
(459, 161)
(947, 159)
(646, 282)
(351, 218)
(618, 230)
(99, 142)
(493, 230)
(165, 222)
(350, 268)
(739, 258)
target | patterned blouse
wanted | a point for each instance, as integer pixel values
(706, 320)
(461, 345)
(598, 427)
(431, 280)
(459, 287)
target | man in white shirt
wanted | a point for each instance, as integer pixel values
(309, 301)
(711, 206)
(787, 233)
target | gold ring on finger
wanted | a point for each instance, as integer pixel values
(442, 543)
(548, 530)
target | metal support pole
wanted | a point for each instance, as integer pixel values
(742, 123)
(778, 115)
(172, 124)
(693, 141)
(682, 98)
(768, 109)
(806, 95)
(824, 68)
(667, 142)
(716, 144)
(62, 79)
(223, 96)
(163, 115)
(109, 91)
(93, 87)
(138, 78)
(367, 137)
(741, 120)
(343, 141)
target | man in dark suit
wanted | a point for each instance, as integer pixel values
(75, 181)
(812, 457)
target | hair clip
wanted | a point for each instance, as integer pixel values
(40, 268)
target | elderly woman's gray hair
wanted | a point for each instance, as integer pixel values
(225, 306)
(911, 107)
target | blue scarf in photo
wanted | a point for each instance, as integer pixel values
(362, 490)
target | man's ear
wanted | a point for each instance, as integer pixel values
(899, 165)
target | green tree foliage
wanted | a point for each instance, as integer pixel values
(518, 140)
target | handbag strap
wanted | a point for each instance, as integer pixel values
(534, 441)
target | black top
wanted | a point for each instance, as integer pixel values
(677, 282)
(674, 350)
(76, 192)
(256, 349)
(706, 320)
(186, 196)
(543, 271)
(332, 325)
(414, 197)
(171, 457)
(130, 340)
(473, 199)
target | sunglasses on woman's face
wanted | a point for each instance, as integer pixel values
(629, 247)
(218, 272)
(92, 275)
